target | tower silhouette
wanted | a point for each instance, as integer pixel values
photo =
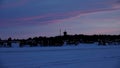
(65, 33)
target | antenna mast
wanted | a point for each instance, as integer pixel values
(59, 29)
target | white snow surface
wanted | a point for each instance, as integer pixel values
(81, 56)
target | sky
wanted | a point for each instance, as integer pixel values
(30, 18)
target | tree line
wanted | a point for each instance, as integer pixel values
(62, 40)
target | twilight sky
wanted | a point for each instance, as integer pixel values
(29, 18)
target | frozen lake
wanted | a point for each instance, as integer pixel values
(82, 56)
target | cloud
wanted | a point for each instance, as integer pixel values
(118, 1)
(52, 18)
(116, 4)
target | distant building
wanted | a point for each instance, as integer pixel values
(65, 33)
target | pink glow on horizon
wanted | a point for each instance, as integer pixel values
(104, 31)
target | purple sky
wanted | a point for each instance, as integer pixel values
(29, 18)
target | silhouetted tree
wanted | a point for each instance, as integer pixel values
(9, 42)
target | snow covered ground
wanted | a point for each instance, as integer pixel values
(82, 56)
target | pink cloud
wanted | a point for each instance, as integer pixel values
(48, 15)
(68, 16)
(116, 5)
